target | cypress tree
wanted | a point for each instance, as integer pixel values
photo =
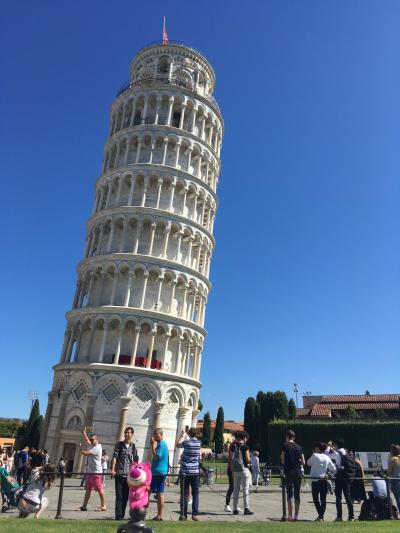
(281, 406)
(251, 420)
(292, 409)
(266, 404)
(219, 431)
(31, 427)
(206, 429)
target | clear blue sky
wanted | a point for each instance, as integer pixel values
(306, 271)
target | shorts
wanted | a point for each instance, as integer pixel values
(158, 483)
(26, 508)
(293, 484)
(94, 482)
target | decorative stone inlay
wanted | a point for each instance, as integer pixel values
(75, 423)
(110, 392)
(143, 396)
(79, 391)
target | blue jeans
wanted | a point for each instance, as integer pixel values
(191, 481)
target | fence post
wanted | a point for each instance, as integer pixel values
(389, 499)
(60, 496)
(284, 511)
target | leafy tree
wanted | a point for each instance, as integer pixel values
(281, 406)
(367, 393)
(292, 410)
(200, 405)
(219, 431)
(350, 412)
(251, 420)
(206, 429)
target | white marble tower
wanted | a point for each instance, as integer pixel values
(134, 338)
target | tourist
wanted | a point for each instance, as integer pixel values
(190, 470)
(124, 454)
(255, 467)
(345, 467)
(292, 459)
(21, 461)
(357, 487)
(230, 480)
(61, 466)
(239, 459)
(394, 472)
(94, 476)
(46, 458)
(320, 466)
(380, 495)
(159, 468)
(32, 500)
(104, 465)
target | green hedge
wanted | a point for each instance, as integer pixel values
(367, 436)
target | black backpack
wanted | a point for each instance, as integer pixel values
(349, 467)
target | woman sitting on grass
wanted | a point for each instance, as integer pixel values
(41, 479)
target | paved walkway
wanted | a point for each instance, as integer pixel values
(266, 503)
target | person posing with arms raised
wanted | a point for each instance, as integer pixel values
(124, 454)
(320, 466)
(94, 478)
(159, 468)
(190, 470)
(239, 459)
(292, 459)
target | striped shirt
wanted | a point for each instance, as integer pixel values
(190, 457)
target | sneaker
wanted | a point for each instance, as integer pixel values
(318, 519)
(338, 519)
(239, 509)
(236, 511)
(248, 512)
(190, 502)
(228, 509)
(350, 519)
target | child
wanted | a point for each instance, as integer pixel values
(41, 479)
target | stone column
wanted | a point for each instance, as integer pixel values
(158, 409)
(165, 247)
(131, 190)
(131, 277)
(125, 404)
(171, 105)
(151, 242)
(146, 277)
(165, 150)
(103, 343)
(135, 345)
(171, 200)
(159, 184)
(195, 412)
(46, 422)
(64, 396)
(151, 347)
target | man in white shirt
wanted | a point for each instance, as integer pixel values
(94, 476)
(320, 464)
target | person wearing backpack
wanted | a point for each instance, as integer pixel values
(346, 470)
(22, 459)
(124, 454)
(239, 461)
(292, 459)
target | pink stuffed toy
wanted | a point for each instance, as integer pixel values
(139, 480)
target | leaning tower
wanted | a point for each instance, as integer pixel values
(134, 337)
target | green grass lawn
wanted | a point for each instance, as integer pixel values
(10, 525)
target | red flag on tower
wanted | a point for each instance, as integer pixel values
(164, 34)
